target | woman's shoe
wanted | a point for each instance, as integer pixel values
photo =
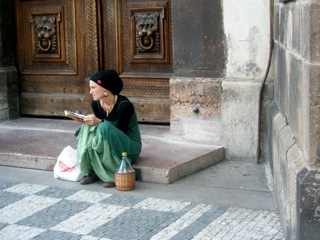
(108, 184)
(89, 179)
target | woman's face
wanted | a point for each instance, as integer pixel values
(96, 90)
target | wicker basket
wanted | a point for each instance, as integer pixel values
(125, 181)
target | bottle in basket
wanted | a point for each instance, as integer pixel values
(125, 166)
(125, 175)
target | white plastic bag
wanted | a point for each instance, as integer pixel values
(66, 167)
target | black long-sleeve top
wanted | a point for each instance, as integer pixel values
(120, 114)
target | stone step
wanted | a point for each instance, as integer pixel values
(36, 143)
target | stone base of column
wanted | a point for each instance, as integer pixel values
(308, 198)
(9, 94)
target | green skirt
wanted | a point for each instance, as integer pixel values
(100, 149)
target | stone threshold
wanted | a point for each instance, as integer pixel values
(37, 142)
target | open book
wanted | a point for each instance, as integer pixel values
(74, 116)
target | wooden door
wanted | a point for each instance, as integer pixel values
(61, 43)
(136, 40)
(56, 51)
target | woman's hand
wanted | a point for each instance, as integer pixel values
(91, 119)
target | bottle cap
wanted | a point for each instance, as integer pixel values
(124, 154)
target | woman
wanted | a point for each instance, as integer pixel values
(111, 129)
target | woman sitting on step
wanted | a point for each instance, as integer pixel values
(111, 129)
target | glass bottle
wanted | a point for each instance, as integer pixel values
(125, 166)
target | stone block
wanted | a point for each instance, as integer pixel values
(276, 21)
(303, 135)
(314, 112)
(283, 141)
(9, 94)
(315, 32)
(295, 163)
(308, 197)
(175, 127)
(295, 96)
(281, 80)
(282, 24)
(296, 28)
(3, 104)
(198, 48)
(305, 30)
(239, 114)
(4, 113)
(187, 95)
(288, 161)
(267, 133)
(278, 122)
(202, 131)
(277, 72)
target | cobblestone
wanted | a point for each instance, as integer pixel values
(30, 211)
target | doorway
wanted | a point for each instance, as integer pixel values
(61, 43)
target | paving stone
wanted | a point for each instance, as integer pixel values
(32, 211)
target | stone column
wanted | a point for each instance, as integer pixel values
(198, 68)
(247, 30)
(9, 90)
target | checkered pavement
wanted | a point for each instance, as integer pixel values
(29, 211)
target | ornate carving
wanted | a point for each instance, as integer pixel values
(147, 32)
(46, 34)
(149, 35)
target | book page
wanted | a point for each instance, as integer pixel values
(74, 115)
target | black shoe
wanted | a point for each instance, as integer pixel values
(108, 184)
(89, 179)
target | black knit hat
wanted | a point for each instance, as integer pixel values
(109, 80)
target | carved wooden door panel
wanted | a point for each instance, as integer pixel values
(56, 50)
(136, 40)
(60, 43)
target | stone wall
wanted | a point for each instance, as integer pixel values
(219, 64)
(9, 92)
(291, 124)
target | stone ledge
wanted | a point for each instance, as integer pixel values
(36, 143)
